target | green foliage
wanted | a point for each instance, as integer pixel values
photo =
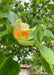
(46, 66)
(9, 67)
(2, 58)
(8, 2)
(39, 13)
(40, 33)
(11, 16)
(45, 20)
(26, 43)
(49, 33)
(45, 52)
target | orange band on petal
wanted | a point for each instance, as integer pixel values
(17, 33)
(26, 34)
(23, 34)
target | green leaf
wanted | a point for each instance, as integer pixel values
(46, 65)
(10, 67)
(8, 1)
(48, 33)
(26, 4)
(3, 33)
(38, 33)
(52, 16)
(11, 16)
(26, 43)
(2, 58)
(50, 7)
(47, 54)
(1, 25)
(38, 1)
(45, 20)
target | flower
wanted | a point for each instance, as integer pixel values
(24, 26)
(24, 34)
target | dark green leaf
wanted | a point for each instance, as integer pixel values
(2, 58)
(10, 67)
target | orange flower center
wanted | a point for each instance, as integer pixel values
(23, 34)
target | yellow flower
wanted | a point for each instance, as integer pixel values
(24, 26)
(22, 33)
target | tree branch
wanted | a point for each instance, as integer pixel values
(41, 8)
(34, 49)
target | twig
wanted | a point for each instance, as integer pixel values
(43, 5)
(41, 8)
(34, 49)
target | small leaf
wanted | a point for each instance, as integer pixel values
(38, 1)
(1, 25)
(45, 20)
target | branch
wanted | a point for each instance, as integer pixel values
(41, 8)
(34, 49)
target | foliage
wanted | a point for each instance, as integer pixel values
(6, 63)
(37, 13)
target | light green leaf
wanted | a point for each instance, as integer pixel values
(52, 16)
(48, 33)
(10, 67)
(47, 54)
(8, 1)
(26, 43)
(1, 25)
(12, 17)
(30, 38)
(38, 1)
(46, 65)
(38, 33)
(45, 20)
